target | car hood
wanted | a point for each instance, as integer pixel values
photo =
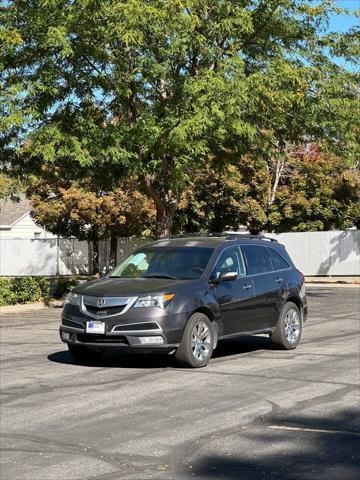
(130, 287)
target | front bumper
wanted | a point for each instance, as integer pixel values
(154, 329)
(128, 339)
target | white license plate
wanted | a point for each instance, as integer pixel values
(95, 327)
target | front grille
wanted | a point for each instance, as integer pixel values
(105, 311)
(84, 338)
(137, 326)
(69, 323)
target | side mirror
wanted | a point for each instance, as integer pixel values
(227, 277)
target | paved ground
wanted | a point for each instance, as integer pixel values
(253, 413)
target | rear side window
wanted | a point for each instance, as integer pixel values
(257, 259)
(277, 260)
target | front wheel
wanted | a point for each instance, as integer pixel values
(196, 346)
(289, 327)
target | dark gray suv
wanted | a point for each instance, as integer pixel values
(182, 295)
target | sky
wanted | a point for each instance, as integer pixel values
(341, 23)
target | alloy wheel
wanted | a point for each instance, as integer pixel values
(292, 326)
(200, 340)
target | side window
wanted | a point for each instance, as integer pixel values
(257, 259)
(277, 260)
(229, 261)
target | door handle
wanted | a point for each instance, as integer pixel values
(279, 280)
(246, 287)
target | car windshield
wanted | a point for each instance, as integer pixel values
(165, 262)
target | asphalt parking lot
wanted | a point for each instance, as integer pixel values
(252, 413)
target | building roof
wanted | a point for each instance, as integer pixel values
(11, 211)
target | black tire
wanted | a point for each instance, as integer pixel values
(84, 354)
(288, 330)
(188, 355)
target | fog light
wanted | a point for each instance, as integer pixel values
(151, 340)
(65, 336)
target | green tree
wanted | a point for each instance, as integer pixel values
(319, 195)
(213, 202)
(315, 191)
(158, 88)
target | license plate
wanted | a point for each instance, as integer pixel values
(95, 327)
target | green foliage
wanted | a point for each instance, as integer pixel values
(158, 88)
(316, 191)
(26, 289)
(33, 289)
(44, 285)
(23, 290)
(7, 293)
(320, 195)
(214, 202)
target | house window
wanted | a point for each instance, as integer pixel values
(37, 234)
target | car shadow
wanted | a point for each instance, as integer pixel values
(115, 359)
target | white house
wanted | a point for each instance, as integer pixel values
(16, 221)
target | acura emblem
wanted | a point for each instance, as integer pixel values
(101, 302)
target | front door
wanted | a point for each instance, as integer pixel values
(236, 297)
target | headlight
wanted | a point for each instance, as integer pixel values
(73, 298)
(154, 301)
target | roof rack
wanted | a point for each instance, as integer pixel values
(234, 235)
(228, 235)
(199, 234)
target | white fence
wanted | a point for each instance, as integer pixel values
(314, 253)
(330, 253)
(48, 256)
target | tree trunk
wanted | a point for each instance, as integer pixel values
(279, 167)
(164, 220)
(113, 250)
(95, 255)
(166, 203)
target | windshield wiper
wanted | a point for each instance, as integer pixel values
(161, 275)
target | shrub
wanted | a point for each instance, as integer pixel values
(33, 289)
(7, 294)
(23, 290)
(44, 285)
(27, 289)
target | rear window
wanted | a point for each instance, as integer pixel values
(277, 260)
(257, 259)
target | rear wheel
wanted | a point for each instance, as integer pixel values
(196, 346)
(289, 327)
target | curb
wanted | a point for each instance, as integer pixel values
(333, 280)
(31, 306)
(331, 285)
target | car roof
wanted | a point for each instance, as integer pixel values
(211, 241)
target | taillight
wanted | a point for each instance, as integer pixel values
(302, 276)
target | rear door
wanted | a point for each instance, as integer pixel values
(236, 297)
(259, 269)
(281, 271)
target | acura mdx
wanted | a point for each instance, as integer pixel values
(182, 295)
